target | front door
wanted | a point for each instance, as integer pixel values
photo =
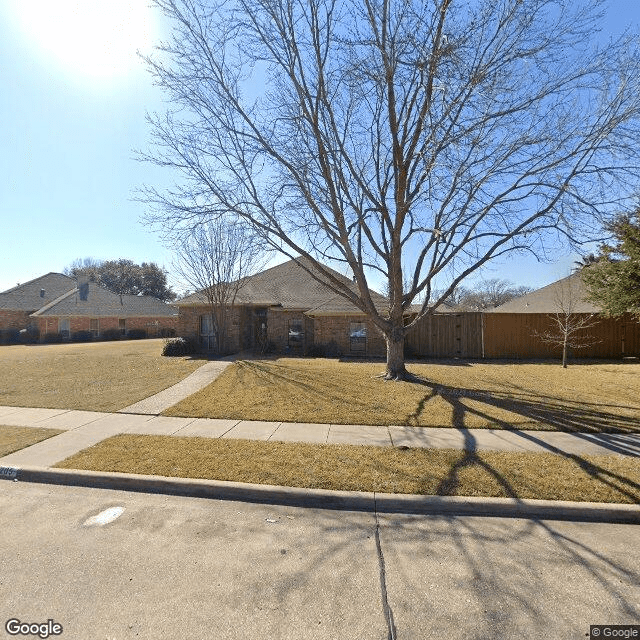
(260, 330)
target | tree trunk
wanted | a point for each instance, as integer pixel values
(395, 356)
(564, 352)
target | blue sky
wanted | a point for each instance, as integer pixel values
(73, 103)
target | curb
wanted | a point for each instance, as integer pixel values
(328, 499)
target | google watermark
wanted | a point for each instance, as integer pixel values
(15, 627)
(597, 631)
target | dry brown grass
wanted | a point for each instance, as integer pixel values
(585, 397)
(101, 376)
(16, 438)
(356, 468)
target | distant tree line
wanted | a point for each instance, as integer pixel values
(124, 276)
(485, 295)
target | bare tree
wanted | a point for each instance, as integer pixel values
(487, 294)
(215, 259)
(409, 140)
(568, 328)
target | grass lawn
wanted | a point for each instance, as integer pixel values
(355, 468)
(100, 376)
(595, 397)
(16, 438)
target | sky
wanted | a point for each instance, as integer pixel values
(73, 100)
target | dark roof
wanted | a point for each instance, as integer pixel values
(101, 302)
(569, 291)
(289, 285)
(441, 308)
(339, 305)
(29, 296)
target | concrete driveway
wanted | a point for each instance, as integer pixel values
(171, 567)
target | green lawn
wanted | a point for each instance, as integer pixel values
(356, 468)
(100, 376)
(595, 397)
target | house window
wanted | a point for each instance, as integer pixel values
(122, 325)
(358, 337)
(63, 327)
(94, 327)
(296, 334)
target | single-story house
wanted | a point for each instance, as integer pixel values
(287, 308)
(89, 307)
(17, 304)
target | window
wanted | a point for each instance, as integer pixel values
(94, 327)
(122, 325)
(358, 337)
(296, 334)
(63, 327)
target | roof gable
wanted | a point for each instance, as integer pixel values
(288, 285)
(569, 292)
(36, 293)
(104, 303)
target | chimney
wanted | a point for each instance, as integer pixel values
(83, 287)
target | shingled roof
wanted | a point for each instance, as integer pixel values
(551, 298)
(36, 293)
(104, 303)
(289, 285)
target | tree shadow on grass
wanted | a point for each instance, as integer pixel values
(546, 412)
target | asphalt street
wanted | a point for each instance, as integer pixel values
(192, 568)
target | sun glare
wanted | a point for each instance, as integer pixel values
(94, 38)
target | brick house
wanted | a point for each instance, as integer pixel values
(17, 304)
(90, 307)
(287, 307)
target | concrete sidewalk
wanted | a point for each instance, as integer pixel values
(200, 378)
(83, 429)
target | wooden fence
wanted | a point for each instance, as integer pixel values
(516, 335)
(447, 335)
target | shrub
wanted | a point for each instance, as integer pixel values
(332, 350)
(53, 338)
(178, 347)
(316, 351)
(136, 334)
(82, 336)
(111, 334)
(10, 336)
(30, 335)
(167, 332)
(270, 347)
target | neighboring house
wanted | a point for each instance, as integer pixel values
(90, 307)
(17, 304)
(512, 330)
(285, 306)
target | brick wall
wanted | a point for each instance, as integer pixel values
(153, 326)
(188, 325)
(320, 330)
(336, 329)
(278, 322)
(11, 319)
